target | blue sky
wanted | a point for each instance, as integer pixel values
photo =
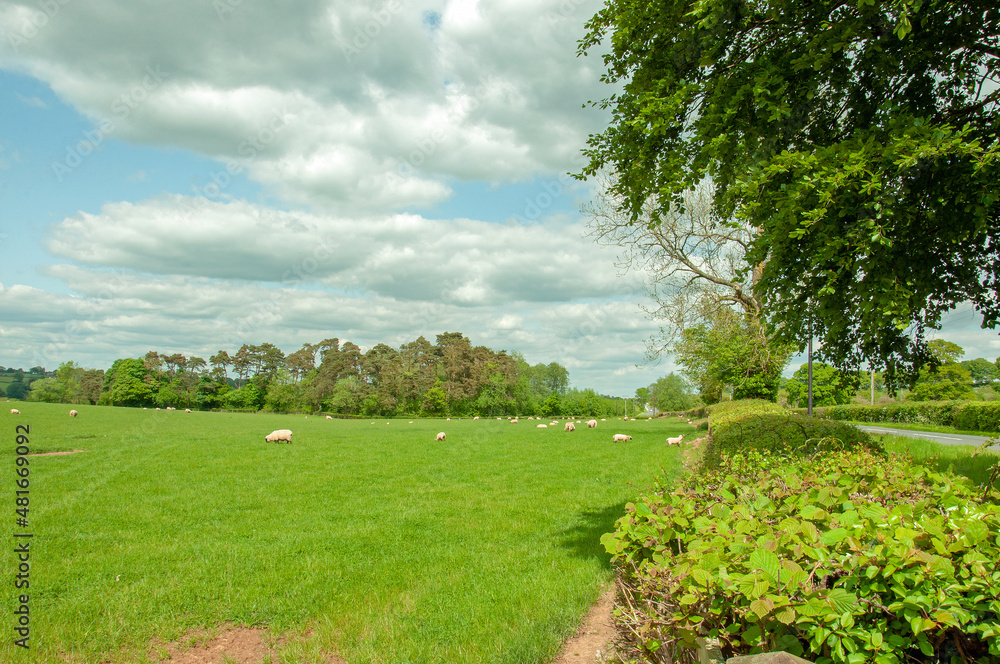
(192, 176)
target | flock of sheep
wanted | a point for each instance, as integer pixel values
(285, 435)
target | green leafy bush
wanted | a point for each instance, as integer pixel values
(977, 416)
(849, 556)
(764, 426)
(919, 412)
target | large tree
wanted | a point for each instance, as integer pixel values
(858, 137)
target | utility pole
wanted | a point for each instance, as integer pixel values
(871, 368)
(810, 360)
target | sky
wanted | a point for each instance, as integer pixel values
(187, 177)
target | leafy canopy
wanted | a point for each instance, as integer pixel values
(859, 137)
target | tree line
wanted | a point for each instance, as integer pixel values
(450, 377)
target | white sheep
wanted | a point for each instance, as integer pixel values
(675, 441)
(440, 436)
(543, 426)
(279, 434)
(514, 421)
(621, 438)
(476, 417)
(73, 413)
(569, 427)
(328, 417)
(592, 424)
(187, 410)
(15, 411)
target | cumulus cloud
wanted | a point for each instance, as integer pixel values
(402, 256)
(336, 104)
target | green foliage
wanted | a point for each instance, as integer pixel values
(927, 412)
(947, 382)
(830, 386)
(858, 137)
(741, 426)
(17, 390)
(735, 350)
(845, 557)
(670, 394)
(48, 390)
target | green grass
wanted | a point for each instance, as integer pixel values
(933, 428)
(958, 459)
(369, 540)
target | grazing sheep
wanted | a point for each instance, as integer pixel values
(187, 410)
(73, 413)
(280, 434)
(592, 424)
(543, 426)
(440, 436)
(675, 441)
(621, 438)
(448, 419)
(15, 411)
(603, 419)
(569, 427)
(514, 421)
(328, 417)
(476, 417)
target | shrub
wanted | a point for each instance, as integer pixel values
(845, 557)
(977, 416)
(919, 412)
(763, 426)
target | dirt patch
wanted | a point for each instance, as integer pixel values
(227, 644)
(55, 453)
(593, 639)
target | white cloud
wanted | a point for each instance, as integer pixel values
(334, 104)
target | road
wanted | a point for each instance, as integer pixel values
(943, 438)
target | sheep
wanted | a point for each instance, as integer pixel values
(569, 427)
(187, 410)
(476, 417)
(279, 434)
(328, 417)
(73, 413)
(675, 441)
(553, 423)
(514, 421)
(440, 436)
(621, 438)
(15, 411)
(543, 426)
(592, 424)
(604, 419)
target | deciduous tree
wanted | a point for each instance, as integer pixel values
(858, 138)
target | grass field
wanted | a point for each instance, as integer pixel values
(959, 459)
(372, 541)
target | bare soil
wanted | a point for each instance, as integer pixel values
(55, 453)
(593, 639)
(228, 644)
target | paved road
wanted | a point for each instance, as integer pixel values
(943, 438)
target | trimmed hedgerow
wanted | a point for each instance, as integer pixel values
(845, 557)
(740, 426)
(968, 415)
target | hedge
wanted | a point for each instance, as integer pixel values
(967, 415)
(740, 426)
